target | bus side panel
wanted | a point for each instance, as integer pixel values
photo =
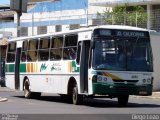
(51, 76)
(10, 82)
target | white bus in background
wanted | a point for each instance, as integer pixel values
(110, 61)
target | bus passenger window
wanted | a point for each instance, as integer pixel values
(43, 55)
(33, 45)
(57, 42)
(23, 56)
(11, 52)
(71, 40)
(24, 51)
(32, 50)
(10, 57)
(44, 43)
(69, 53)
(32, 56)
(56, 54)
(70, 47)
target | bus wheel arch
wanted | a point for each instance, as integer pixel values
(73, 92)
(72, 82)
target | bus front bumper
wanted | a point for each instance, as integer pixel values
(122, 89)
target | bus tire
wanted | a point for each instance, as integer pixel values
(123, 100)
(76, 98)
(27, 92)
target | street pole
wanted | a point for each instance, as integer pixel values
(19, 13)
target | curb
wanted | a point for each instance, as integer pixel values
(5, 89)
(3, 99)
(144, 97)
(155, 95)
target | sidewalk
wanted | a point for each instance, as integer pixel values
(155, 95)
(4, 89)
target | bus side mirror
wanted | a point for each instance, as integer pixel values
(92, 44)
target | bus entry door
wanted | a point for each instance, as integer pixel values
(84, 63)
(17, 65)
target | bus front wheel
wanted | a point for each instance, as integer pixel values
(123, 100)
(76, 98)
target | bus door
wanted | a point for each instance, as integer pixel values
(83, 49)
(17, 65)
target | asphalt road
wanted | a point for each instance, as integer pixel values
(52, 104)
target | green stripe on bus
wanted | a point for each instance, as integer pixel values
(7, 68)
(22, 67)
(10, 68)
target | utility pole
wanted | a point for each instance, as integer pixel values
(19, 6)
(19, 13)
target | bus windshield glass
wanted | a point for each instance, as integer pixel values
(122, 53)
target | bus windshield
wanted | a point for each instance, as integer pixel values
(122, 53)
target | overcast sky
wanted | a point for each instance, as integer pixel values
(2, 2)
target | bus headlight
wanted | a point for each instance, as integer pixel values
(105, 79)
(149, 80)
(144, 80)
(99, 79)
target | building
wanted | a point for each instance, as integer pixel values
(60, 15)
(49, 17)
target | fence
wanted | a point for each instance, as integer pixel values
(47, 22)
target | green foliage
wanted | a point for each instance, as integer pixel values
(125, 15)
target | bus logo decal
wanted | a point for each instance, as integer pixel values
(43, 67)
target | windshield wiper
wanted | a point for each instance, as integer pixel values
(134, 46)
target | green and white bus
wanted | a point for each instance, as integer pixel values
(102, 61)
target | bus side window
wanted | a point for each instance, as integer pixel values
(11, 52)
(43, 54)
(32, 50)
(56, 48)
(78, 53)
(56, 54)
(70, 47)
(24, 51)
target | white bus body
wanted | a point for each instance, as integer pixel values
(63, 76)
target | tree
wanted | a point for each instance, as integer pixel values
(125, 15)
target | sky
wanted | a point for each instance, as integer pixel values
(2, 2)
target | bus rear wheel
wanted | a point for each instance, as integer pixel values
(76, 98)
(123, 100)
(27, 92)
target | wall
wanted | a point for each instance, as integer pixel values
(155, 42)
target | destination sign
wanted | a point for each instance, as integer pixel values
(130, 34)
(119, 33)
(102, 32)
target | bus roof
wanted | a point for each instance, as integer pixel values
(121, 27)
